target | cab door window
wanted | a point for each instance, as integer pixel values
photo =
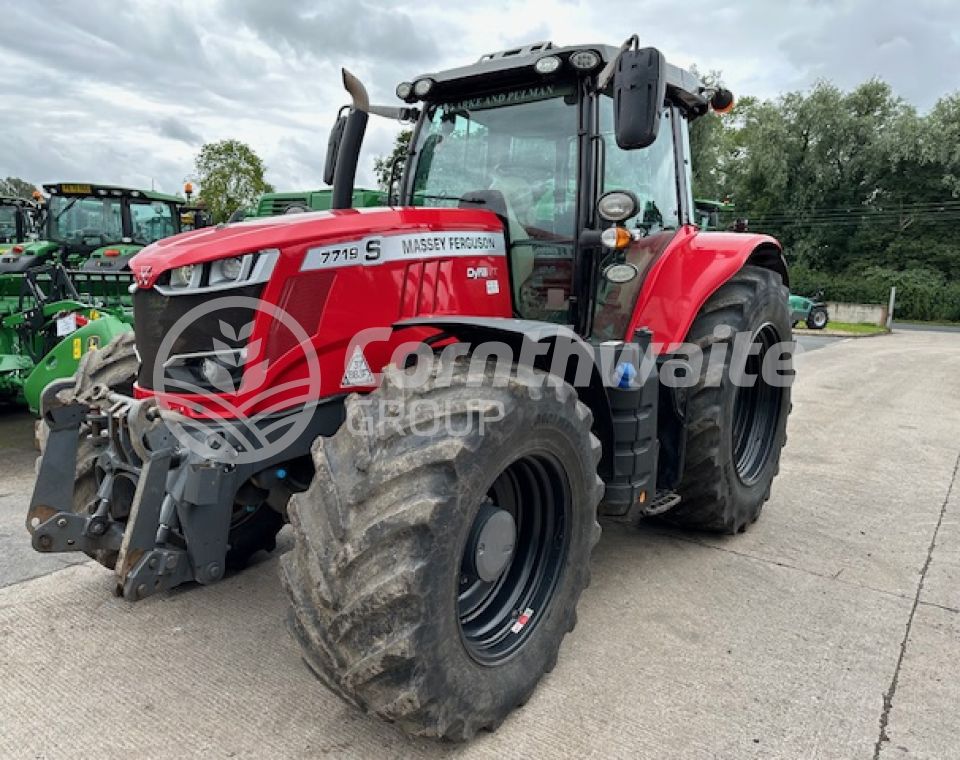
(650, 173)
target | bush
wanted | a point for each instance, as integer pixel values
(921, 293)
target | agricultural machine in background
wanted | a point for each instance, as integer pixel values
(811, 311)
(64, 288)
(295, 202)
(45, 330)
(19, 220)
(443, 512)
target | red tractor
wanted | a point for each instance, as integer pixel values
(443, 397)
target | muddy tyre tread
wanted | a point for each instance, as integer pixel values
(359, 576)
(708, 498)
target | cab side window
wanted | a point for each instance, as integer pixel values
(650, 173)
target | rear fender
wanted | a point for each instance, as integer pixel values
(692, 267)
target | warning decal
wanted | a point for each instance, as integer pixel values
(358, 371)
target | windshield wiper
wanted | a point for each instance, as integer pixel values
(468, 198)
(66, 208)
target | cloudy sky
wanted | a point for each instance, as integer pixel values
(126, 93)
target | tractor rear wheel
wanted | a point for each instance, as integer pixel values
(735, 434)
(443, 545)
(115, 366)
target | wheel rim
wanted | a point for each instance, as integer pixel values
(497, 617)
(819, 318)
(756, 413)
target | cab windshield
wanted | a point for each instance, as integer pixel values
(87, 222)
(523, 145)
(8, 224)
(151, 221)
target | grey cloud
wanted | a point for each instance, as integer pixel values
(328, 32)
(912, 46)
(175, 129)
(123, 92)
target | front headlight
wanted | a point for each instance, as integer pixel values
(181, 277)
(226, 270)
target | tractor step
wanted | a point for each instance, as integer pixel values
(662, 502)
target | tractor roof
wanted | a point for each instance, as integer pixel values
(87, 188)
(507, 68)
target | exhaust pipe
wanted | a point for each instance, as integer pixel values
(348, 153)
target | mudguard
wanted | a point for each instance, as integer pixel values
(690, 269)
(64, 358)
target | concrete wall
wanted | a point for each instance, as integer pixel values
(868, 313)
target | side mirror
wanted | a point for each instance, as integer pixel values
(333, 148)
(639, 89)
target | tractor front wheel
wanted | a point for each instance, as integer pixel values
(736, 429)
(818, 318)
(443, 545)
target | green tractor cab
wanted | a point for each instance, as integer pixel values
(20, 222)
(275, 204)
(812, 311)
(101, 227)
(708, 213)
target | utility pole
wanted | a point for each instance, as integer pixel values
(893, 301)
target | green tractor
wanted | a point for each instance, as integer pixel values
(275, 204)
(46, 329)
(21, 224)
(19, 219)
(88, 226)
(66, 293)
(101, 227)
(812, 311)
(708, 213)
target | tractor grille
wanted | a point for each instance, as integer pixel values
(155, 315)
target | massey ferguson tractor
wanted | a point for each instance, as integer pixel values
(442, 398)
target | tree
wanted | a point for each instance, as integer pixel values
(17, 188)
(230, 176)
(383, 164)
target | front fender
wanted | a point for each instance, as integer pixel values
(689, 271)
(64, 358)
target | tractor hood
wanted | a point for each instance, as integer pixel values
(294, 234)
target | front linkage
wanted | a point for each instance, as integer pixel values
(176, 527)
(135, 444)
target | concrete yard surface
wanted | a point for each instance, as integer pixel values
(830, 629)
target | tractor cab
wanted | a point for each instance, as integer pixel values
(19, 220)
(100, 227)
(194, 217)
(583, 153)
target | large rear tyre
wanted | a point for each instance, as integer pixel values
(115, 366)
(443, 545)
(735, 434)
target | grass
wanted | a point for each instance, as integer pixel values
(848, 328)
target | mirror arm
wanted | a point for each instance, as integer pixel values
(607, 74)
